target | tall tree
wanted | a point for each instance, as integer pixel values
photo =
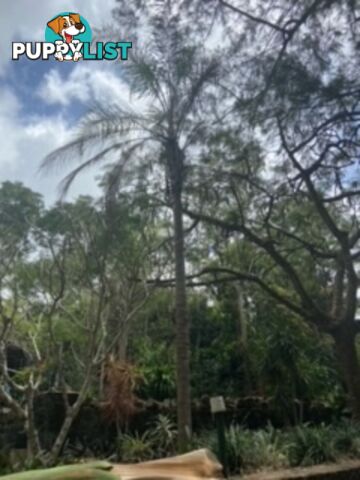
(295, 92)
(57, 303)
(303, 217)
(172, 76)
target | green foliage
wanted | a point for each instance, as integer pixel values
(270, 180)
(312, 445)
(217, 362)
(283, 358)
(4, 461)
(164, 435)
(156, 368)
(20, 209)
(253, 449)
(292, 360)
(135, 447)
(273, 448)
(156, 442)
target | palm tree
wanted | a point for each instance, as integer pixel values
(174, 78)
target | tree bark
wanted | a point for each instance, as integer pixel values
(241, 327)
(241, 323)
(175, 178)
(33, 443)
(182, 329)
(70, 416)
(345, 348)
(122, 346)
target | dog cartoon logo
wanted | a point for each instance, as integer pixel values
(68, 36)
(70, 29)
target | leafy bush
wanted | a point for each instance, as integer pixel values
(135, 448)
(312, 445)
(156, 366)
(249, 450)
(4, 462)
(309, 445)
(347, 438)
(273, 448)
(205, 439)
(164, 435)
(158, 441)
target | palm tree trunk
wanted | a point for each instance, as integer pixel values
(182, 328)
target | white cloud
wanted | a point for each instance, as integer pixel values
(26, 140)
(88, 83)
(24, 144)
(9, 109)
(25, 20)
(55, 90)
(85, 83)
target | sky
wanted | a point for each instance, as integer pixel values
(41, 102)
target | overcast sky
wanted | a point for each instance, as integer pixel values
(41, 101)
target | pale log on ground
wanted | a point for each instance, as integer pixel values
(196, 465)
(191, 466)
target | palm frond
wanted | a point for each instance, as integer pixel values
(64, 153)
(114, 175)
(172, 74)
(66, 183)
(206, 75)
(102, 125)
(143, 78)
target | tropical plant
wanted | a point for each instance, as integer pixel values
(172, 76)
(156, 364)
(120, 381)
(135, 448)
(312, 445)
(164, 435)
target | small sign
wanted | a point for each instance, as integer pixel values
(217, 404)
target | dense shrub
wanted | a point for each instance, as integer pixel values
(158, 441)
(298, 446)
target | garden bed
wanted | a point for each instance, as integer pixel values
(346, 470)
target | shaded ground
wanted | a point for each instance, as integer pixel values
(349, 469)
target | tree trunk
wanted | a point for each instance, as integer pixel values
(349, 363)
(122, 346)
(70, 416)
(241, 328)
(182, 329)
(241, 320)
(33, 443)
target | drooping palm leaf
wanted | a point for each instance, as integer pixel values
(89, 471)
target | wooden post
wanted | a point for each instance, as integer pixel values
(218, 409)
